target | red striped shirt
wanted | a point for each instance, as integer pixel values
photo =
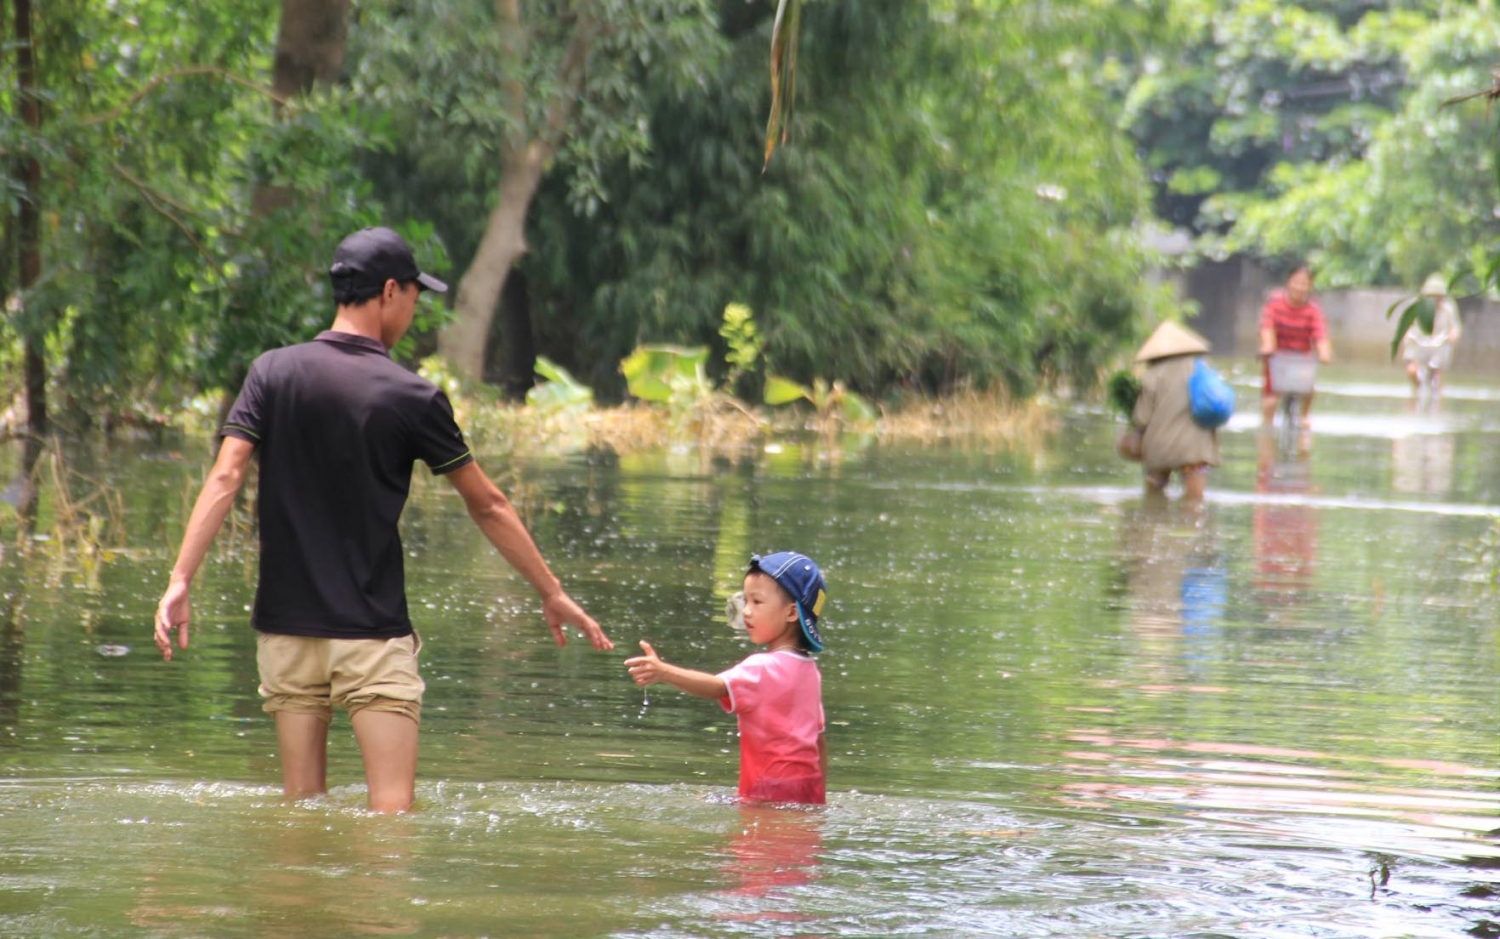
(1296, 327)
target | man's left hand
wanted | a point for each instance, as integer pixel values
(561, 610)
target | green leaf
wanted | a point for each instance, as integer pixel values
(738, 332)
(660, 373)
(1408, 316)
(1490, 274)
(1123, 389)
(1426, 312)
(784, 391)
(857, 410)
(560, 392)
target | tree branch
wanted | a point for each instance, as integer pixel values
(570, 78)
(570, 74)
(513, 39)
(156, 81)
(160, 204)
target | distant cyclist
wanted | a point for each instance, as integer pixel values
(1428, 354)
(1291, 322)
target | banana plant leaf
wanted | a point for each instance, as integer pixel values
(784, 391)
(857, 410)
(657, 373)
(560, 391)
(1419, 311)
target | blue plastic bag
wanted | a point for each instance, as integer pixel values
(1210, 398)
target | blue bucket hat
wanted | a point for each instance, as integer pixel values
(799, 576)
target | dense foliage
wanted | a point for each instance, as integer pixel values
(959, 200)
(954, 205)
(1318, 130)
(158, 125)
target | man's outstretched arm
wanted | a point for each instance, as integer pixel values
(498, 519)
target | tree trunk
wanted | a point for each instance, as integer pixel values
(517, 354)
(29, 230)
(463, 342)
(310, 42)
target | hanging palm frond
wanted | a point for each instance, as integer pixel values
(784, 33)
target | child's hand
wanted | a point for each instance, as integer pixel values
(645, 669)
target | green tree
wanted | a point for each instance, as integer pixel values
(26, 220)
(954, 203)
(1317, 130)
(1420, 199)
(1225, 93)
(501, 93)
(164, 265)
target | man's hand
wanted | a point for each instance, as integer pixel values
(174, 611)
(214, 500)
(560, 610)
(645, 669)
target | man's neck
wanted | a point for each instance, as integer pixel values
(357, 320)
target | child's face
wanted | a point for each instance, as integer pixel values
(770, 615)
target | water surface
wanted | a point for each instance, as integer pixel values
(1056, 708)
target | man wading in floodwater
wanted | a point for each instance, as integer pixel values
(338, 427)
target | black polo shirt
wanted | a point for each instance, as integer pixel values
(338, 427)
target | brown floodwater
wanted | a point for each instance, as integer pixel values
(1056, 708)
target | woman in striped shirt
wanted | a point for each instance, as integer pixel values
(1291, 322)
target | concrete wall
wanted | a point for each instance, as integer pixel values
(1229, 295)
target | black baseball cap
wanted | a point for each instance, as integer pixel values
(375, 255)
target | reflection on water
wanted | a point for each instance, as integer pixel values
(1056, 708)
(773, 852)
(296, 873)
(1177, 584)
(1423, 463)
(1284, 530)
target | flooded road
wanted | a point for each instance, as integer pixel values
(1056, 708)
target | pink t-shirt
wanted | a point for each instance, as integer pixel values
(778, 698)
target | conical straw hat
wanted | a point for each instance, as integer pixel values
(1171, 339)
(1436, 285)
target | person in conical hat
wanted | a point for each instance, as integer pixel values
(1171, 441)
(1428, 354)
(1169, 339)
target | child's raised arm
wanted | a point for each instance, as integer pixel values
(649, 669)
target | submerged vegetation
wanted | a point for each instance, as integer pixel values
(676, 403)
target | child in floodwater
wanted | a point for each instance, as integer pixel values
(777, 695)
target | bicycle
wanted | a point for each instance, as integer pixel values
(1292, 375)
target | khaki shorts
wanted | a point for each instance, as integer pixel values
(310, 676)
